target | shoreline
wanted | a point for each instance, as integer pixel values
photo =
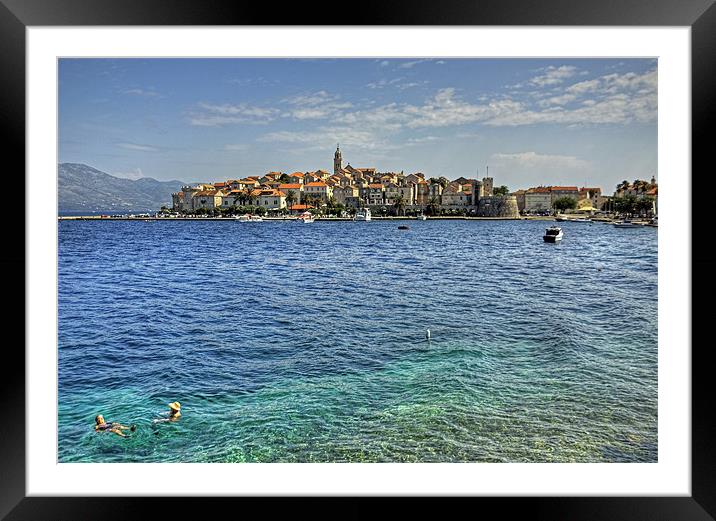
(293, 218)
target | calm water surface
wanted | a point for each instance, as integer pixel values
(299, 343)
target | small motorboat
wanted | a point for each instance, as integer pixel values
(362, 214)
(625, 224)
(248, 218)
(306, 217)
(422, 217)
(553, 234)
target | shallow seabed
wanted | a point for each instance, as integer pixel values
(298, 342)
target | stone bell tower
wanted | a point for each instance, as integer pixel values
(337, 161)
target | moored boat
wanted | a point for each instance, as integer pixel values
(625, 224)
(363, 214)
(553, 234)
(306, 217)
(248, 218)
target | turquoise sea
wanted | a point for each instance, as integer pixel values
(289, 342)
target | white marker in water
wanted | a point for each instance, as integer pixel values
(427, 334)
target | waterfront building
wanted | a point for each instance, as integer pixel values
(207, 199)
(231, 198)
(520, 197)
(295, 188)
(374, 193)
(457, 196)
(319, 189)
(564, 191)
(272, 199)
(423, 193)
(409, 193)
(391, 193)
(538, 199)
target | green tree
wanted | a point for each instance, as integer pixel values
(290, 198)
(433, 206)
(399, 205)
(565, 203)
(283, 178)
(624, 185)
(501, 190)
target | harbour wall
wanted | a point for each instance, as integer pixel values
(498, 206)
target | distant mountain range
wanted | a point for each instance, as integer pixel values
(86, 190)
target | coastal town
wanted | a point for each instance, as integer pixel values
(348, 189)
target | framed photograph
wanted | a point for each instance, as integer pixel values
(446, 255)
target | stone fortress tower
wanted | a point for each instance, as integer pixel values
(487, 184)
(337, 161)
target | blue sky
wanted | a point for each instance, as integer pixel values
(533, 121)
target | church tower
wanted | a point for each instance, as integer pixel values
(337, 161)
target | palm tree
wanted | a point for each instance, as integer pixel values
(249, 196)
(399, 204)
(433, 205)
(290, 198)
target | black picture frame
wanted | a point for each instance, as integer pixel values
(700, 15)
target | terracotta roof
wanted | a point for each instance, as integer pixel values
(317, 183)
(376, 185)
(300, 207)
(539, 190)
(290, 186)
(297, 174)
(564, 188)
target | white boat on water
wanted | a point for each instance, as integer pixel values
(625, 224)
(553, 234)
(363, 214)
(248, 218)
(306, 217)
(422, 217)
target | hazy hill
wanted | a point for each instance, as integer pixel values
(83, 189)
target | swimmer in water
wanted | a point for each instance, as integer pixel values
(116, 428)
(174, 413)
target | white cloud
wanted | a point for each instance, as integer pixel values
(382, 83)
(141, 92)
(553, 75)
(325, 137)
(227, 114)
(318, 105)
(410, 65)
(237, 147)
(423, 140)
(535, 160)
(611, 99)
(136, 146)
